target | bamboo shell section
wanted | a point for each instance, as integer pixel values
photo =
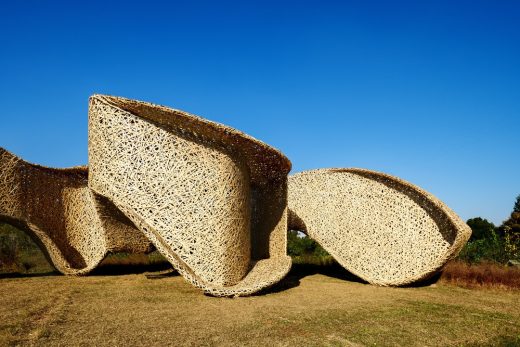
(58, 210)
(379, 227)
(211, 199)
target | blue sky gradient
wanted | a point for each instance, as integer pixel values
(425, 90)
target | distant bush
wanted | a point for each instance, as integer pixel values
(19, 253)
(491, 248)
(22, 240)
(9, 250)
(498, 246)
(326, 260)
(480, 228)
(299, 245)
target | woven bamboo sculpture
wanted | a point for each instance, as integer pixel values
(379, 227)
(73, 227)
(211, 199)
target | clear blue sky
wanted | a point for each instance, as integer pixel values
(425, 90)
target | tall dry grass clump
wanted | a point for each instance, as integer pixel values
(485, 274)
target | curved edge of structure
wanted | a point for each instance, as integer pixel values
(262, 274)
(265, 162)
(422, 198)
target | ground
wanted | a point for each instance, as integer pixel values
(307, 309)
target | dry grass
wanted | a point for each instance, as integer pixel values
(486, 275)
(319, 303)
(307, 309)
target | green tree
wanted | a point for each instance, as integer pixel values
(510, 232)
(481, 228)
(517, 205)
(491, 248)
(489, 243)
(299, 244)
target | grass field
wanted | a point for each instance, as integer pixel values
(134, 299)
(308, 308)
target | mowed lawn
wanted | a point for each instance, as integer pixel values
(312, 310)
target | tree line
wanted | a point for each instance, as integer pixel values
(494, 243)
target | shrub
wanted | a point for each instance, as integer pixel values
(9, 250)
(18, 252)
(491, 248)
(488, 243)
(299, 244)
(480, 228)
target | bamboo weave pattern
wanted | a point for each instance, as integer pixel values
(211, 199)
(74, 227)
(214, 201)
(379, 227)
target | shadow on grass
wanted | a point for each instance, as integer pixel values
(433, 279)
(28, 275)
(129, 269)
(107, 270)
(163, 269)
(302, 270)
(335, 270)
(165, 274)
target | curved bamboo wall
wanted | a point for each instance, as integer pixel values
(381, 228)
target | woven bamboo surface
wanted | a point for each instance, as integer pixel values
(214, 201)
(211, 199)
(379, 227)
(74, 228)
